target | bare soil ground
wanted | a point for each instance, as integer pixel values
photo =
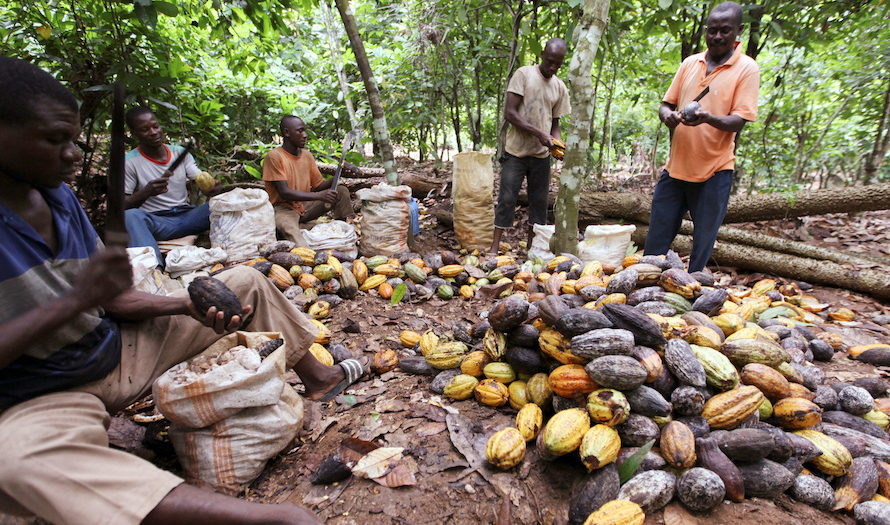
(398, 409)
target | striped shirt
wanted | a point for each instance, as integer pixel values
(84, 349)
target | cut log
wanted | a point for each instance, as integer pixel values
(851, 277)
(776, 244)
(421, 185)
(747, 208)
(367, 173)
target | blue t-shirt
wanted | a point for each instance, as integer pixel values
(85, 348)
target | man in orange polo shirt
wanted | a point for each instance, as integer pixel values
(699, 171)
(296, 189)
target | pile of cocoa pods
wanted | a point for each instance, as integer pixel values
(711, 390)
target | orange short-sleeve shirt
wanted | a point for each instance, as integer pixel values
(697, 152)
(301, 174)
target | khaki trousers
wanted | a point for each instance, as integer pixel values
(54, 457)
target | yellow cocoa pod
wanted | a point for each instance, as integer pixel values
(518, 394)
(321, 354)
(461, 387)
(617, 512)
(492, 393)
(428, 341)
(371, 282)
(505, 449)
(474, 363)
(205, 181)
(324, 333)
(600, 446)
(529, 421)
(409, 338)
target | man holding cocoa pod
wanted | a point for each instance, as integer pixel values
(699, 172)
(157, 197)
(79, 343)
(536, 100)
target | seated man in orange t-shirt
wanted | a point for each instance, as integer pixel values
(296, 188)
(698, 175)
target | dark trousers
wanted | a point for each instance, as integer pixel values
(706, 203)
(536, 173)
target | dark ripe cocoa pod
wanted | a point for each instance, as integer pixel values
(592, 492)
(647, 401)
(803, 448)
(674, 261)
(523, 335)
(286, 259)
(712, 458)
(697, 424)
(826, 398)
(339, 352)
(765, 479)
(700, 489)
(689, 111)
(872, 513)
(478, 330)
(794, 466)
(265, 250)
(855, 446)
(620, 372)
(666, 383)
(646, 331)
(656, 307)
(508, 313)
(550, 308)
(859, 484)
(577, 321)
(874, 385)
(637, 430)
(688, 400)
(650, 489)
(780, 330)
(782, 449)
(855, 400)
(461, 331)
(206, 292)
(822, 351)
(441, 380)
(682, 362)
(643, 295)
(416, 364)
(844, 419)
(343, 257)
(449, 257)
(623, 282)
(263, 267)
(839, 386)
(573, 300)
(710, 301)
(330, 470)
(525, 360)
(814, 491)
(746, 444)
(705, 277)
(651, 461)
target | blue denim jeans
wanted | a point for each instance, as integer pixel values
(537, 174)
(147, 228)
(706, 203)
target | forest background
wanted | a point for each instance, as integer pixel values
(222, 73)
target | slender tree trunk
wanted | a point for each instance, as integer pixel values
(875, 157)
(804, 158)
(334, 44)
(588, 33)
(511, 65)
(381, 130)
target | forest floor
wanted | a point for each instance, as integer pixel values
(398, 409)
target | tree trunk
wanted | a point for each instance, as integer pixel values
(334, 44)
(588, 34)
(866, 280)
(747, 208)
(875, 157)
(381, 130)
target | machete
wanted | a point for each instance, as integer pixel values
(347, 143)
(181, 157)
(115, 225)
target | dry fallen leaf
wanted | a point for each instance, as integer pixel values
(676, 514)
(378, 462)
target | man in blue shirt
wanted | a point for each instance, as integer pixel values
(79, 343)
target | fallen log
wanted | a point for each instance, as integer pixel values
(849, 276)
(746, 208)
(776, 244)
(367, 173)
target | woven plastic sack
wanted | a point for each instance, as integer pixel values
(229, 421)
(473, 192)
(605, 243)
(241, 220)
(334, 235)
(386, 217)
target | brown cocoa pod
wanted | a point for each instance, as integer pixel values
(712, 458)
(592, 492)
(746, 444)
(207, 292)
(765, 479)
